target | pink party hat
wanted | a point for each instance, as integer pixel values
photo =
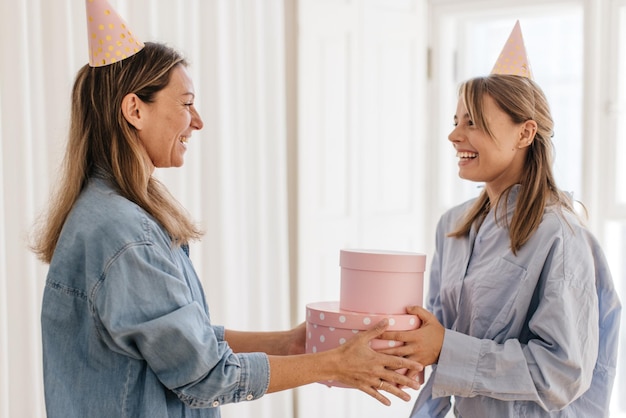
(110, 39)
(513, 59)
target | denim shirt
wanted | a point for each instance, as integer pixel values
(125, 326)
(532, 334)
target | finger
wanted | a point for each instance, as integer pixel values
(402, 336)
(395, 362)
(374, 393)
(420, 312)
(413, 374)
(375, 331)
(399, 351)
(401, 380)
(408, 370)
(395, 390)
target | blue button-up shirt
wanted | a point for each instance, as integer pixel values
(527, 335)
(126, 329)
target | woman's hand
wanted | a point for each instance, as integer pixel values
(363, 368)
(354, 364)
(422, 345)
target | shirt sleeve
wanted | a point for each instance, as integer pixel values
(145, 310)
(554, 367)
(433, 301)
(426, 406)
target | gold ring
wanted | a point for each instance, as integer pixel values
(381, 384)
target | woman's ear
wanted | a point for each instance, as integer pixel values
(132, 108)
(527, 133)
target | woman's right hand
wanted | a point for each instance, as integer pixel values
(359, 366)
(354, 364)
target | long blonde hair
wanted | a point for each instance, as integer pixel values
(102, 141)
(522, 99)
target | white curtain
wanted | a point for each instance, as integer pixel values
(234, 180)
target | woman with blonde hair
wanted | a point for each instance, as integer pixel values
(522, 317)
(126, 328)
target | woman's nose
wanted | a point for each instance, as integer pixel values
(196, 120)
(454, 136)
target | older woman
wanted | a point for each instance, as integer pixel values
(126, 328)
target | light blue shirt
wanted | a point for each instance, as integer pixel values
(527, 335)
(125, 326)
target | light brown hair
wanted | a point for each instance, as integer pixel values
(522, 99)
(102, 141)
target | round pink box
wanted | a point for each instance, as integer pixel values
(375, 281)
(328, 326)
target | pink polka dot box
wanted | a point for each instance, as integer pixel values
(375, 284)
(328, 326)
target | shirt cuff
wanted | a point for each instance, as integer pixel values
(256, 367)
(456, 368)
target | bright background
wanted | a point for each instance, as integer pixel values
(325, 128)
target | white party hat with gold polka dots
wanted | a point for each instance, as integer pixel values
(110, 38)
(513, 59)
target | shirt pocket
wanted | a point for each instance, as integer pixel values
(497, 308)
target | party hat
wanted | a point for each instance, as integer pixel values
(110, 39)
(513, 59)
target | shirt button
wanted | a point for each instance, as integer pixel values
(250, 397)
(215, 404)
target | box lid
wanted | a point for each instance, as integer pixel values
(329, 314)
(382, 260)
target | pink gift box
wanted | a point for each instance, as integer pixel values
(328, 326)
(374, 285)
(374, 281)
